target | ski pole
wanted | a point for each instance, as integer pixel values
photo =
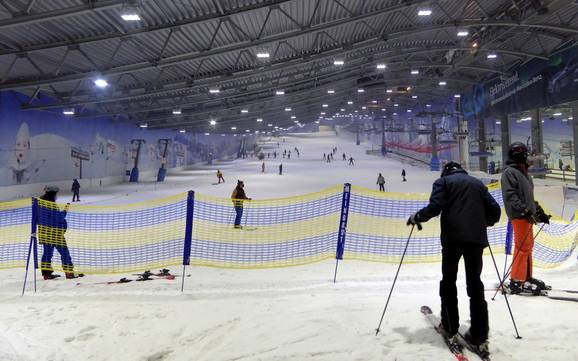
(507, 273)
(395, 278)
(505, 296)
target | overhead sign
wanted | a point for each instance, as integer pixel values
(78, 153)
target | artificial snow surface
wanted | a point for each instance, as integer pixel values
(276, 314)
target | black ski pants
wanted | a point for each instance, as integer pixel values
(472, 254)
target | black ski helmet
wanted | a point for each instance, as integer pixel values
(451, 165)
(518, 152)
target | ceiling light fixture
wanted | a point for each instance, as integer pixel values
(279, 92)
(424, 12)
(338, 62)
(101, 83)
(381, 66)
(463, 33)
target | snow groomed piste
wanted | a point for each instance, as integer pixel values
(197, 229)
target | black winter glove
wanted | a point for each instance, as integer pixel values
(541, 215)
(414, 220)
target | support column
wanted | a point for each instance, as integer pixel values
(506, 138)
(383, 147)
(575, 135)
(537, 139)
(435, 161)
(463, 139)
(483, 161)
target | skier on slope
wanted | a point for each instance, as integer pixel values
(403, 175)
(523, 211)
(238, 196)
(75, 190)
(220, 176)
(381, 182)
(351, 161)
(52, 226)
(467, 209)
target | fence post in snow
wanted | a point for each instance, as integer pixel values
(342, 226)
(508, 244)
(32, 249)
(188, 234)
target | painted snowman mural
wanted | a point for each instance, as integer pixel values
(23, 166)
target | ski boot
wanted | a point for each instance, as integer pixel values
(523, 288)
(453, 341)
(482, 349)
(49, 276)
(542, 286)
(514, 287)
(71, 275)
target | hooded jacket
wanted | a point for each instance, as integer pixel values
(237, 196)
(517, 191)
(466, 207)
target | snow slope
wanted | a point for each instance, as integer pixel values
(277, 314)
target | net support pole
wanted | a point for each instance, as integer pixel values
(508, 245)
(342, 227)
(188, 235)
(32, 245)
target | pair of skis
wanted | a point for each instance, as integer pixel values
(554, 294)
(456, 350)
(145, 276)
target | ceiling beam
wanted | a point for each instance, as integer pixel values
(173, 25)
(57, 14)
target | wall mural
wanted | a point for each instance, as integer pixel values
(41, 146)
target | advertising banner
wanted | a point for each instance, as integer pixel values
(538, 83)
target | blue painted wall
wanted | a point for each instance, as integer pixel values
(36, 146)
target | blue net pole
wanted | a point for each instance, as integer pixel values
(508, 249)
(32, 245)
(188, 234)
(342, 226)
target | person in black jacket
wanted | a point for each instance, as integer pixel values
(467, 209)
(75, 191)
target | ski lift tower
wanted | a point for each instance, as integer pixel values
(164, 144)
(134, 172)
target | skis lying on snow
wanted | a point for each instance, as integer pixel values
(145, 276)
(456, 350)
(148, 275)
